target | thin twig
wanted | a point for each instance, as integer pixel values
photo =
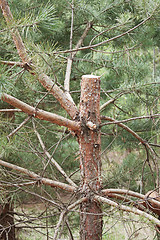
(59, 168)
(19, 127)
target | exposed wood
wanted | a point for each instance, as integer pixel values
(61, 96)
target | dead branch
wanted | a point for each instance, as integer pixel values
(60, 169)
(35, 176)
(128, 209)
(19, 127)
(130, 131)
(129, 119)
(57, 229)
(46, 81)
(72, 55)
(11, 63)
(38, 113)
(10, 110)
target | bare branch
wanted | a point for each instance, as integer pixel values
(10, 110)
(11, 63)
(51, 158)
(72, 55)
(128, 209)
(130, 131)
(19, 127)
(123, 192)
(46, 81)
(59, 224)
(129, 119)
(109, 40)
(107, 103)
(61, 97)
(38, 113)
(43, 180)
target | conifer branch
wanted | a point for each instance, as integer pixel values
(128, 209)
(46, 81)
(51, 159)
(109, 40)
(41, 114)
(37, 177)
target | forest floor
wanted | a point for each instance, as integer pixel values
(116, 226)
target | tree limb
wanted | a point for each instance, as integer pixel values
(52, 159)
(19, 127)
(38, 113)
(107, 41)
(46, 81)
(130, 131)
(128, 209)
(43, 180)
(72, 55)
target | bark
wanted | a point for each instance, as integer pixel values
(38, 178)
(90, 163)
(7, 227)
(41, 114)
(29, 65)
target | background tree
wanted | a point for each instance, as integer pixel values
(107, 39)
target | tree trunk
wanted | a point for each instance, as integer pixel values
(7, 227)
(90, 163)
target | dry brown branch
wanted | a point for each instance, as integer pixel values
(35, 176)
(46, 81)
(130, 131)
(129, 119)
(57, 229)
(11, 63)
(109, 40)
(38, 113)
(128, 209)
(19, 127)
(10, 110)
(55, 163)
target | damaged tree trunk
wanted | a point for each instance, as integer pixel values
(90, 162)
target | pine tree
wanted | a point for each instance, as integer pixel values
(108, 40)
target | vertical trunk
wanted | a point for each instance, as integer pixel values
(7, 228)
(90, 163)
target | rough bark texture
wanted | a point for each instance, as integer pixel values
(90, 163)
(7, 228)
